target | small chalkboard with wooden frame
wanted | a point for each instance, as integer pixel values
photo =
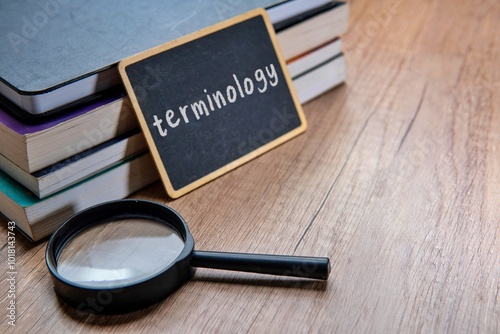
(213, 100)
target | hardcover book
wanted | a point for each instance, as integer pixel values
(38, 218)
(60, 52)
(78, 167)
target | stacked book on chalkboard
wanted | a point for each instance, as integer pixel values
(68, 135)
(312, 47)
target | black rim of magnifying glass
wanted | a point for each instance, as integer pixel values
(126, 297)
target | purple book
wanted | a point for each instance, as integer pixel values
(24, 128)
(33, 147)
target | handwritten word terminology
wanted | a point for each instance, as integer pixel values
(263, 79)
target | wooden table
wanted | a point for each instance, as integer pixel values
(397, 180)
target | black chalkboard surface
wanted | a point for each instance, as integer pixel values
(213, 100)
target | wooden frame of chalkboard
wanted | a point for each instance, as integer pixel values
(213, 100)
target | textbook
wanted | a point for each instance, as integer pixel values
(28, 149)
(70, 171)
(318, 71)
(36, 154)
(320, 79)
(314, 58)
(312, 73)
(38, 218)
(89, 41)
(33, 147)
(317, 30)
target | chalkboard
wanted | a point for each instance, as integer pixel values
(211, 101)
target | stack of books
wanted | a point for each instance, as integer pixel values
(69, 138)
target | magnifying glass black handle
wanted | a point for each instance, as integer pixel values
(283, 265)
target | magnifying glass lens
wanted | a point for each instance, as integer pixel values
(119, 252)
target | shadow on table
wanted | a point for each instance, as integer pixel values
(105, 320)
(266, 281)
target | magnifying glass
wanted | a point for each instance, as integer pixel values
(124, 255)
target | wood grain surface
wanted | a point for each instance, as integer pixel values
(397, 180)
